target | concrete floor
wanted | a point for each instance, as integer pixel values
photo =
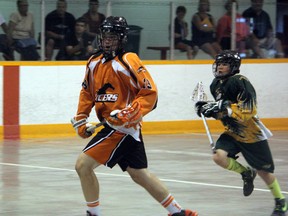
(38, 178)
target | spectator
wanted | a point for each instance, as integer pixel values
(224, 29)
(58, 24)
(21, 32)
(262, 36)
(204, 28)
(181, 32)
(4, 46)
(79, 45)
(93, 18)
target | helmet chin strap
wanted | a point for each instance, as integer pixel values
(111, 52)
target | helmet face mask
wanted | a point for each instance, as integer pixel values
(222, 69)
(227, 63)
(110, 42)
(113, 36)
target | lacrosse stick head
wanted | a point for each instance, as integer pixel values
(198, 93)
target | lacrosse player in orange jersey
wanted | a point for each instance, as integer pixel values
(236, 108)
(122, 91)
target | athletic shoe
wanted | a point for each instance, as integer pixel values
(186, 212)
(280, 207)
(89, 214)
(248, 178)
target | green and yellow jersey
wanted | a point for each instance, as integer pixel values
(243, 124)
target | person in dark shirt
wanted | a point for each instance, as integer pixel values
(93, 18)
(261, 29)
(58, 24)
(79, 45)
(181, 32)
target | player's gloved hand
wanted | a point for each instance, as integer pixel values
(212, 109)
(81, 126)
(198, 107)
(128, 117)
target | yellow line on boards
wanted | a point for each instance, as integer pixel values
(159, 127)
(146, 62)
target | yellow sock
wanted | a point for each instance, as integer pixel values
(235, 166)
(276, 190)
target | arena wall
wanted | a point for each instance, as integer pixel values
(38, 99)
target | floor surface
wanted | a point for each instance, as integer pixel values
(38, 178)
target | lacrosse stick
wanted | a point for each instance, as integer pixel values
(199, 95)
(93, 127)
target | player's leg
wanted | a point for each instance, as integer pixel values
(158, 191)
(97, 151)
(90, 186)
(265, 168)
(272, 183)
(134, 161)
(225, 156)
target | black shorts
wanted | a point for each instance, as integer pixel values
(110, 147)
(257, 155)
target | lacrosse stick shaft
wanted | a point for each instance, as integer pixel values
(212, 145)
(92, 128)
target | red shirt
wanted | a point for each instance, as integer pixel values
(224, 27)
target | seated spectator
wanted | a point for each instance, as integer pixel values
(181, 32)
(4, 43)
(203, 30)
(21, 32)
(79, 45)
(262, 36)
(224, 30)
(58, 24)
(93, 18)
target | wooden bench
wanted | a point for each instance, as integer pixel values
(163, 51)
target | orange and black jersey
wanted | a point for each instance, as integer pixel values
(243, 124)
(114, 84)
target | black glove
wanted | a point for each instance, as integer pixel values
(211, 109)
(198, 107)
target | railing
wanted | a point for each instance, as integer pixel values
(154, 17)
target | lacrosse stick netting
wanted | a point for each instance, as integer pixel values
(198, 94)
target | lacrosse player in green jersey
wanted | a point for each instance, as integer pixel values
(235, 106)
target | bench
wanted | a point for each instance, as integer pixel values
(178, 55)
(163, 51)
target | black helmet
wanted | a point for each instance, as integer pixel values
(117, 26)
(230, 57)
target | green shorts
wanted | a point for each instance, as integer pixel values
(257, 155)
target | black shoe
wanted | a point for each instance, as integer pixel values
(280, 207)
(248, 178)
(89, 214)
(186, 212)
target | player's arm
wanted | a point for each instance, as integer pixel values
(85, 104)
(147, 91)
(145, 99)
(243, 108)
